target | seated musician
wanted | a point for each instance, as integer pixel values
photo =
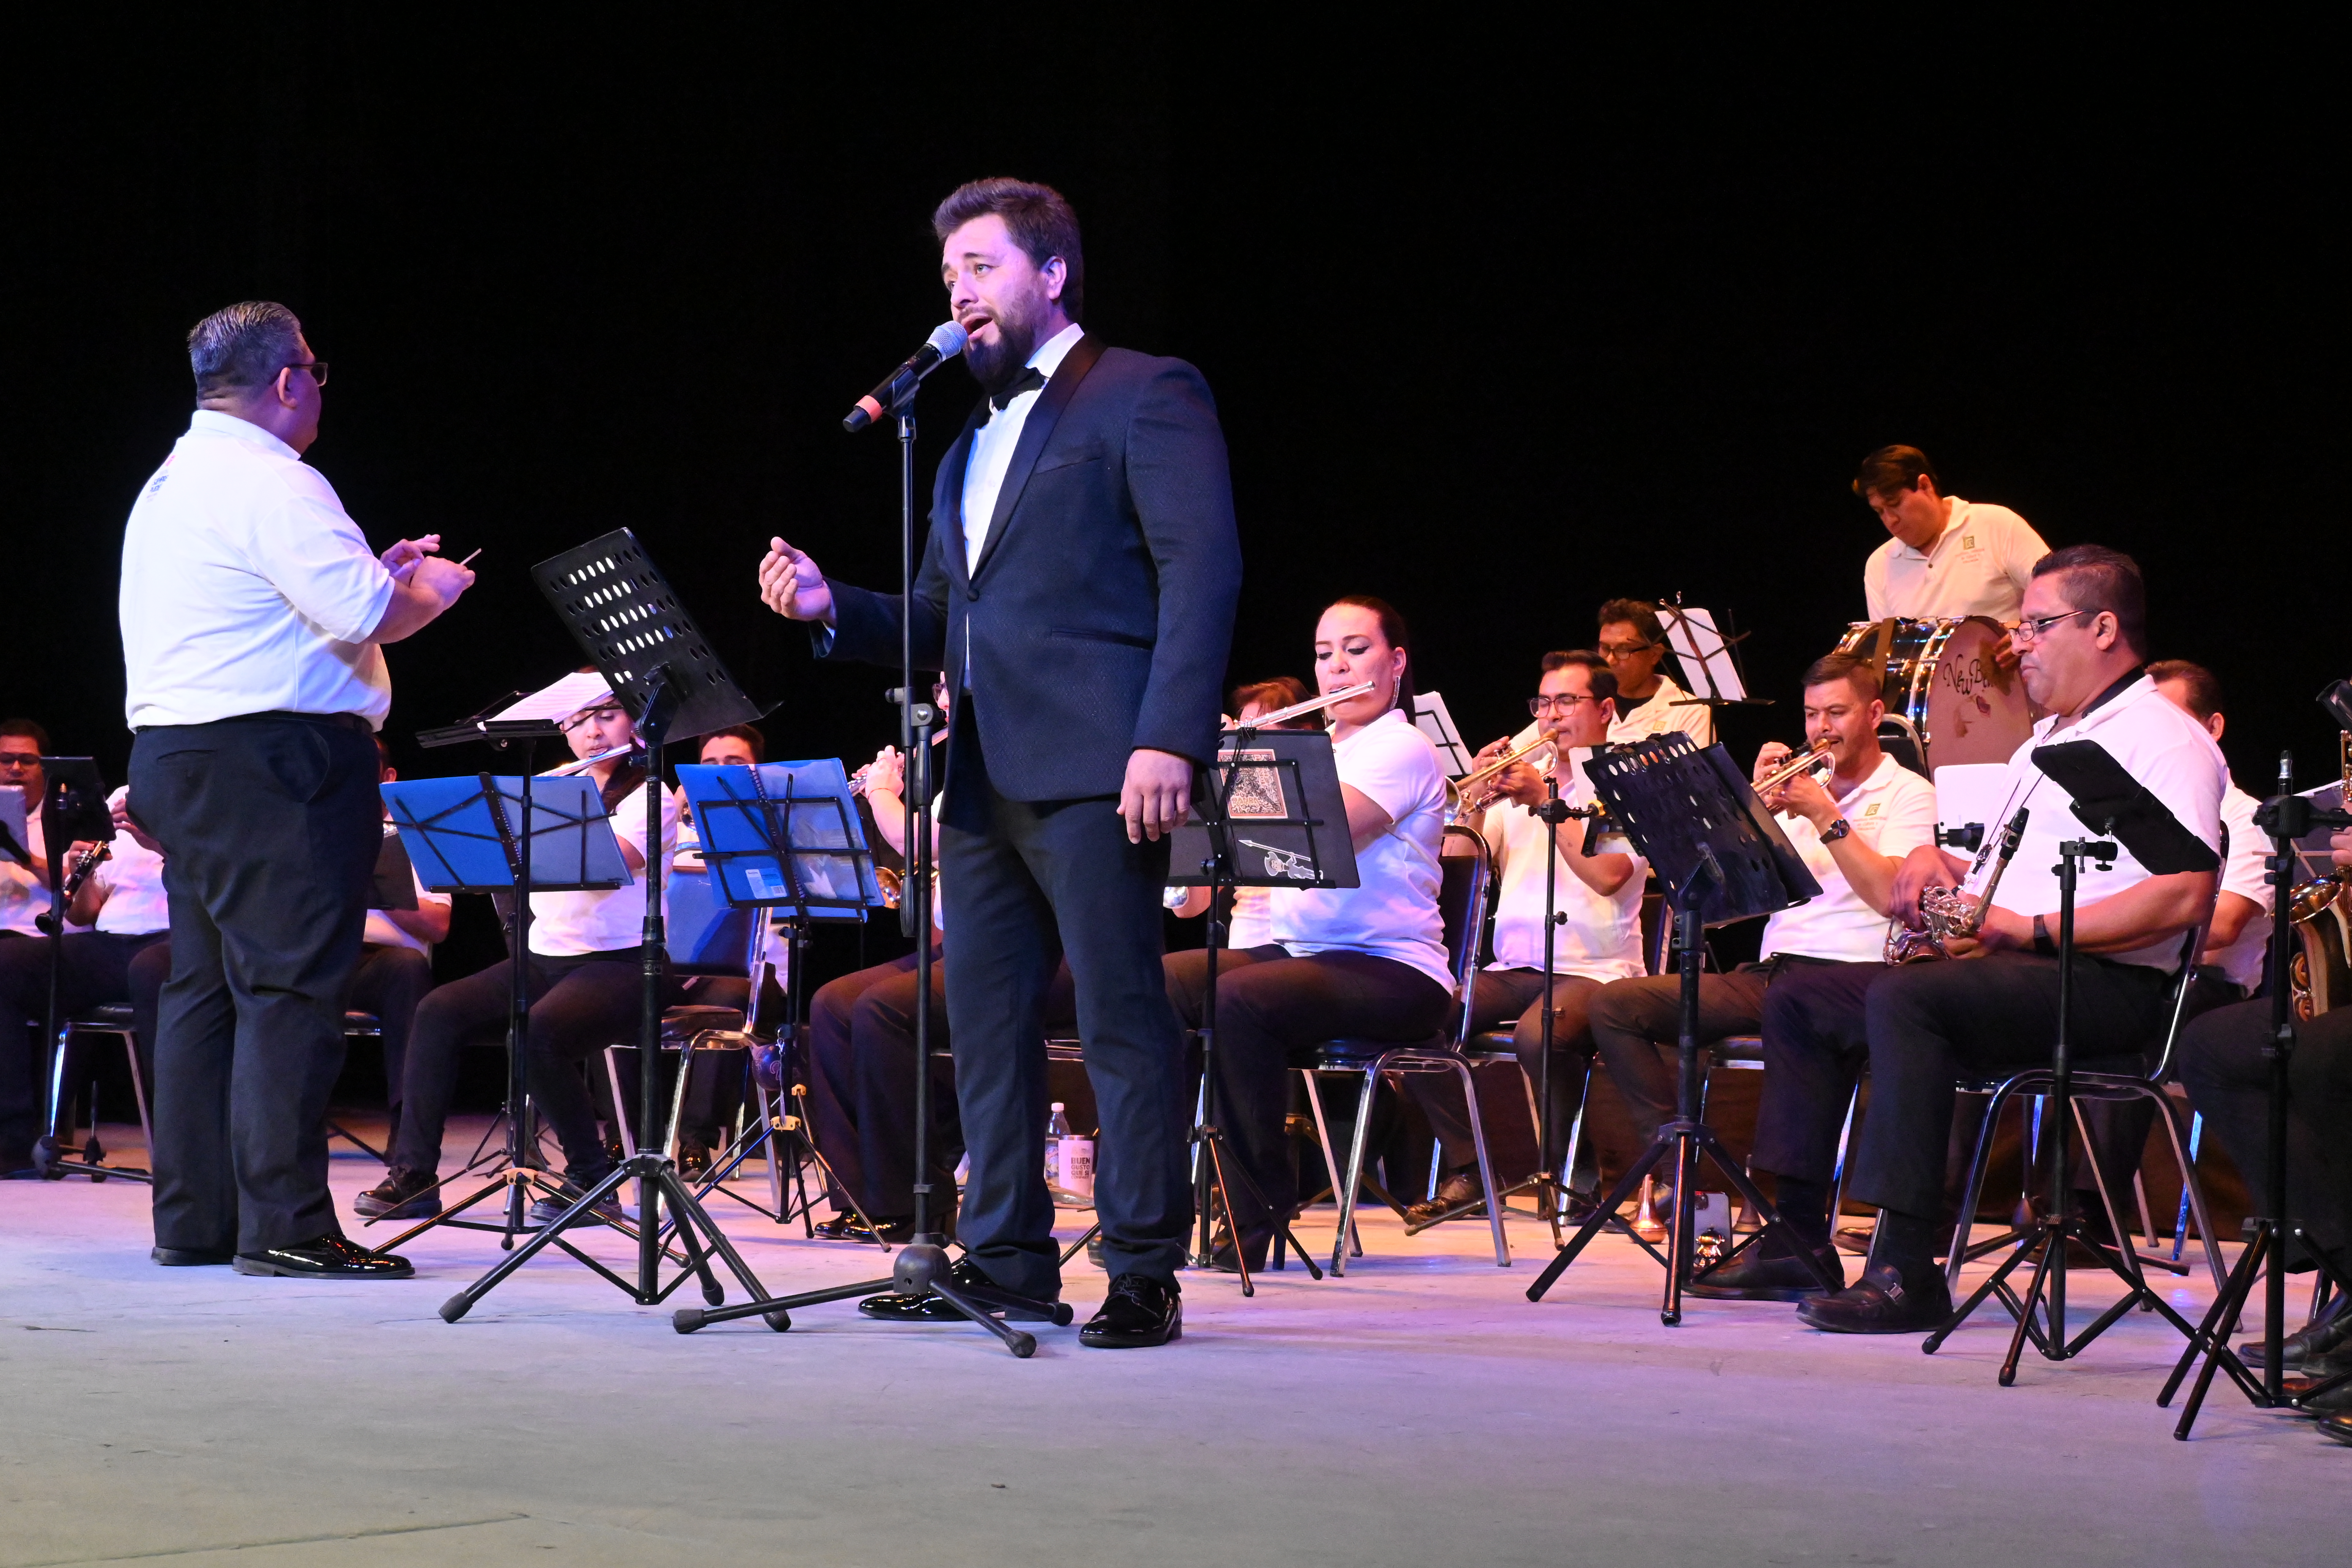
(1633, 641)
(1818, 958)
(1248, 915)
(396, 968)
(1364, 963)
(1948, 557)
(24, 867)
(2226, 1069)
(714, 1094)
(121, 907)
(583, 977)
(2082, 638)
(2239, 939)
(1600, 939)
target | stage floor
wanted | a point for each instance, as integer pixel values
(1419, 1411)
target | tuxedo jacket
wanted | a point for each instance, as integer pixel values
(1101, 611)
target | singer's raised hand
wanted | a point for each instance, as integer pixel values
(791, 585)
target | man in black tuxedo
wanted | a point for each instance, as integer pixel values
(1078, 590)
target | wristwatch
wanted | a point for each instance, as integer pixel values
(1836, 830)
(2041, 943)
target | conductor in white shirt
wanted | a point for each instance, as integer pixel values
(253, 617)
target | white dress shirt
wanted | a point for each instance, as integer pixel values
(24, 897)
(247, 588)
(1602, 938)
(993, 445)
(2157, 743)
(1394, 913)
(1978, 565)
(1891, 811)
(132, 877)
(2243, 873)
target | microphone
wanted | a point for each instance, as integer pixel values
(946, 341)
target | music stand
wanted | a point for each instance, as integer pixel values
(2107, 800)
(73, 809)
(1709, 657)
(1274, 795)
(785, 837)
(1695, 817)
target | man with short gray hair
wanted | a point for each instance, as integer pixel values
(253, 617)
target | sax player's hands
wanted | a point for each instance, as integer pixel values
(2340, 848)
(791, 585)
(1926, 866)
(1998, 931)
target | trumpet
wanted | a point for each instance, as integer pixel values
(1811, 760)
(1476, 791)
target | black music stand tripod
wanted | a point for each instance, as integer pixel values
(2107, 800)
(2286, 817)
(625, 616)
(515, 834)
(1694, 818)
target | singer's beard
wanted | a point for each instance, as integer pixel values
(995, 365)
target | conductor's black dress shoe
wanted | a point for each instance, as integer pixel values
(323, 1258)
(187, 1257)
(1881, 1302)
(1768, 1272)
(1140, 1312)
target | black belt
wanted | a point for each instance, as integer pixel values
(341, 721)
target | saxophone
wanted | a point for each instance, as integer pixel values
(1950, 912)
(2319, 974)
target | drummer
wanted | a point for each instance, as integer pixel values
(1949, 557)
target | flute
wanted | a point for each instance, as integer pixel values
(1296, 709)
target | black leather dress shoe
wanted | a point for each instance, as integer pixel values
(323, 1258)
(1255, 1245)
(1881, 1303)
(187, 1257)
(1140, 1312)
(693, 1159)
(402, 1194)
(1458, 1188)
(1765, 1272)
(897, 1307)
(2329, 1334)
(843, 1228)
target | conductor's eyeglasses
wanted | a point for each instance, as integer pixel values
(317, 369)
(2031, 630)
(1564, 703)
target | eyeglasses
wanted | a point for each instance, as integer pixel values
(317, 369)
(2033, 630)
(1566, 703)
(20, 759)
(1624, 650)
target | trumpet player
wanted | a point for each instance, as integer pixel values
(2081, 638)
(1853, 828)
(1598, 939)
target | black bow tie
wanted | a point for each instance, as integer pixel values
(1029, 379)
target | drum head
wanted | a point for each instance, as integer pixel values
(1974, 711)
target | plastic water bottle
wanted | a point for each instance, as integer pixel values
(1078, 1171)
(1057, 1130)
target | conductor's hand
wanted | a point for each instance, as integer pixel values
(401, 558)
(1157, 794)
(791, 585)
(440, 580)
(1926, 866)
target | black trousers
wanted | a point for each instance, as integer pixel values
(1028, 883)
(861, 1078)
(270, 826)
(1816, 1043)
(1636, 1025)
(578, 1006)
(1271, 1007)
(93, 971)
(1931, 1024)
(1514, 998)
(2229, 1081)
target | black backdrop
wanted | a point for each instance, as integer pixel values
(1501, 324)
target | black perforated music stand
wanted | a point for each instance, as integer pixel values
(1694, 817)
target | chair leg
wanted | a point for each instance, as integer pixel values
(1323, 1137)
(1837, 1171)
(1485, 1166)
(2181, 1220)
(620, 1105)
(775, 1161)
(1973, 1188)
(1356, 1146)
(2193, 1192)
(2118, 1224)
(677, 1096)
(139, 1091)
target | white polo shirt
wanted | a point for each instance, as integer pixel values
(247, 588)
(132, 877)
(993, 443)
(1978, 565)
(564, 925)
(1891, 811)
(24, 897)
(1394, 913)
(1602, 937)
(1658, 714)
(2243, 873)
(2157, 743)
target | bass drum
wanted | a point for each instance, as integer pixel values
(1943, 689)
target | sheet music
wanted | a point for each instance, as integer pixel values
(1430, 718)
(562, 699)
(1699, 647)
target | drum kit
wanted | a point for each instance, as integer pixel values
(1944, 692)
